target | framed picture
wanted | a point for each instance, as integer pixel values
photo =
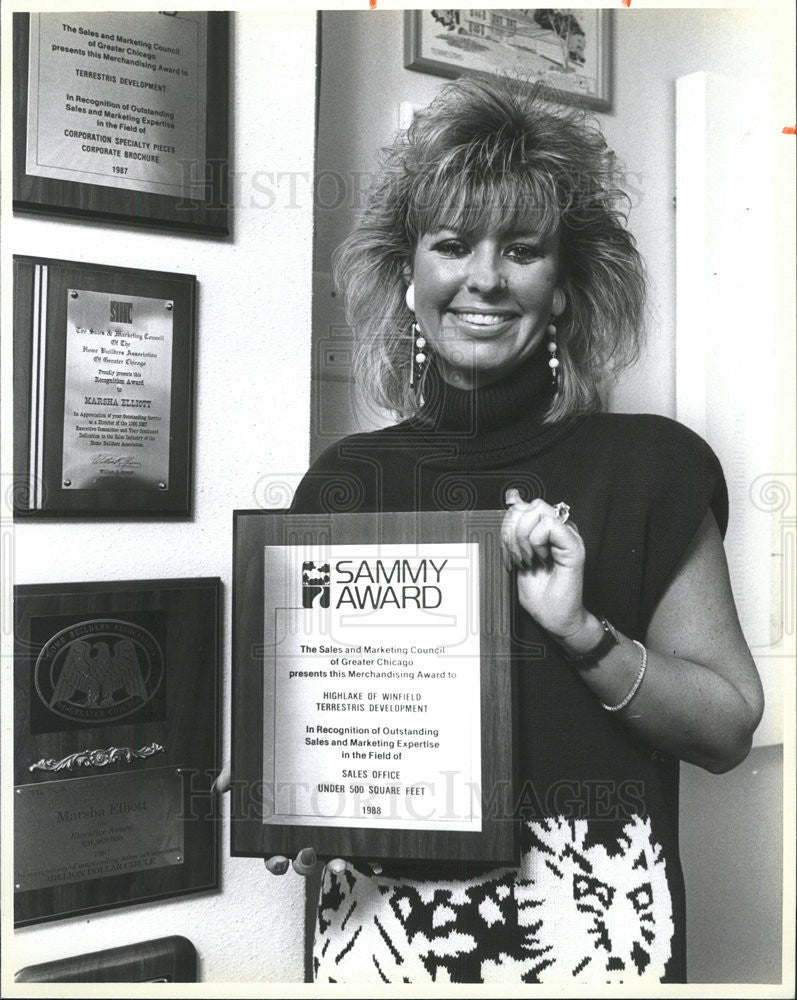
(122, 116)
(567, 50)
(373, 688)
(103, 401)
(116, 743)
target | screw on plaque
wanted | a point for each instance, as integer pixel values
(161, 486)
(170, 305)
(67, 482)
(73, 295)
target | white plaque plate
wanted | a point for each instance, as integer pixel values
(372, 714)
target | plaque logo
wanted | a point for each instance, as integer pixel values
(315, 584)
(121, 312)
(99, 671)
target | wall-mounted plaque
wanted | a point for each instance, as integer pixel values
(372, 691)
(103, 373)
(122, 116)
(116, 744)
(163, 960)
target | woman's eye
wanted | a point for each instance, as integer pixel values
(523, 253)
(451, 248)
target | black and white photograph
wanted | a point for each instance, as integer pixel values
(399, 500)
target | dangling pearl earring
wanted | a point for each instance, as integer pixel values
(418, 357)
(553, 361)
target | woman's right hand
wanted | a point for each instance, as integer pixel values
(548, 554)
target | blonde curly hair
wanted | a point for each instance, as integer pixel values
(497, 152)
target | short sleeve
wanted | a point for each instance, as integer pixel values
(686, 481)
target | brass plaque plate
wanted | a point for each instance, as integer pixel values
(119, 99)
(78, 829)
(117, 394)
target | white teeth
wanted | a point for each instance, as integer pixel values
(482, 319)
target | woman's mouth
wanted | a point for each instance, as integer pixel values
(474, 320)
(482, 319)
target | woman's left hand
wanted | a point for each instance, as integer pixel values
(548, 554)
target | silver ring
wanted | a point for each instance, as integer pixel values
(562, 511)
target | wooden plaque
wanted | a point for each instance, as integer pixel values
(121, 116)
(372, 687)
(162, 960)
(116, 716)
(103, 375)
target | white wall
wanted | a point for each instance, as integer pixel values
(252, 407)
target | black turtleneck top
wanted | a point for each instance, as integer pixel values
(638, 487)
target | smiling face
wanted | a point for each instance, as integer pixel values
(484, 300)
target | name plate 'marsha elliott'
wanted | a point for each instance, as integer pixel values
(88, 828)
(117, 391)
(374, 654)
(372, 687)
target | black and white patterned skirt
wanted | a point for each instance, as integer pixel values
(576, 910)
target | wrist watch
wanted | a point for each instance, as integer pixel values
(607, 641)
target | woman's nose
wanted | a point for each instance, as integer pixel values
(485, 272)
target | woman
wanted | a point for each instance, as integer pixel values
(492, 283)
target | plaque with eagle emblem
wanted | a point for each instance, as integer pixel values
(117, 729)
(97, 674)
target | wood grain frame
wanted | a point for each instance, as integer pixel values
(47, 196)
(162, 960)
(182, 719)
(497, 843)
(38, 485)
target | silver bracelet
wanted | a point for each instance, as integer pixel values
(640, 674)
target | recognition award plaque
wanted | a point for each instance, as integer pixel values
(372, 700)
(116, 744)
(122, 116)
(102, 368)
